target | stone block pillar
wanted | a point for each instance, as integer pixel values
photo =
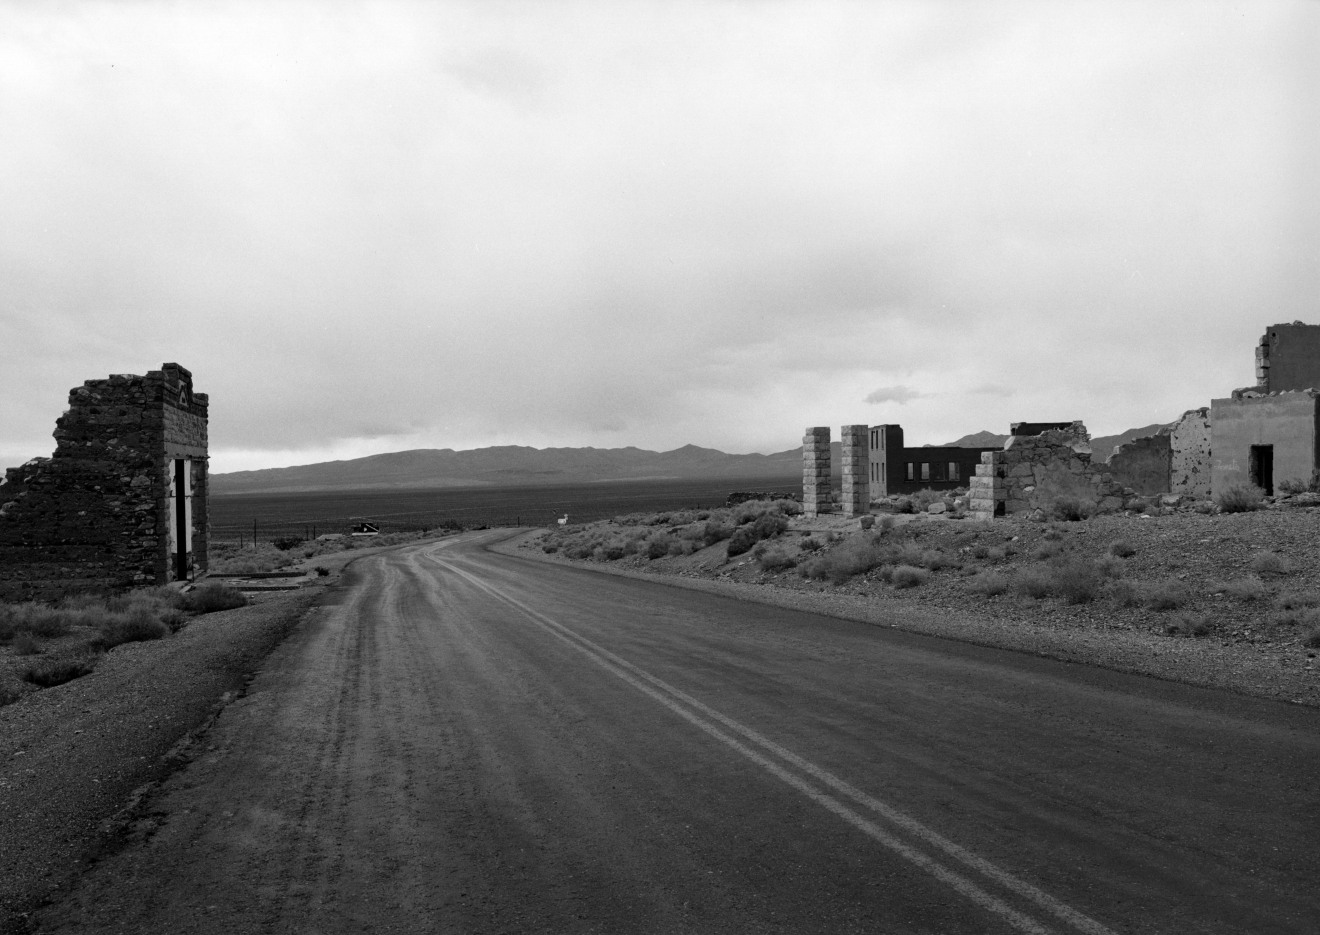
(988, 490)
(816, 471)
(856, 484)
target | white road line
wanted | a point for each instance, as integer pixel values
(669, 696)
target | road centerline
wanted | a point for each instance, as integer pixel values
(701, 715)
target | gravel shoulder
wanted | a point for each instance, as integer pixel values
(1248, 649)
(76, 759)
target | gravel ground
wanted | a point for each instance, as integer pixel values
(74, 759)
(1248, 645)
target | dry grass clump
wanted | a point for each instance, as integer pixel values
(1242, 589)
(777, 557)
(764, 526)
(907, 576)
(1241, 498)
(1269, 563)
(1191, 625)
(989, 583)
(1297, 600)
(57, 670)
(1152, 595)
(1121, 548)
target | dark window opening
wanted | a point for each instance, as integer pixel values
(925, 470)
(953, 470)
(911, 471)
(1262, 468)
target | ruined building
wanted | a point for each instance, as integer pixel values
(1267, 433)
(895, 469)
(1040, 464)
(122, 502)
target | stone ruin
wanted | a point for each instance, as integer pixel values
(121, 503)
(1036, 470)
(816, 471)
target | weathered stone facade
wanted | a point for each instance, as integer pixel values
(1288, 358)
(1262, 439)
(1189, 456)
(895, 468)
(123, 500)
(1035, 471)
(856, 498)
(816, 471)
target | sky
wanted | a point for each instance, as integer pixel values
(378, 226)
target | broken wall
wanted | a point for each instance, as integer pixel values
(1036, 471)
(1189, 454)
(126, 484)
(1288, 358)
(1143, 464)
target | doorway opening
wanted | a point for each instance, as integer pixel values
(1262, 468)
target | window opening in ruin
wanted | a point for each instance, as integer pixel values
(911, 470)
(953, 470)
(181, 517)
(925, 470)
(1262, 468)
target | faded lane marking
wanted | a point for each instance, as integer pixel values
(675, 699)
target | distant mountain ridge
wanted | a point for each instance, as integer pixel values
(521, 465)
(508, 466)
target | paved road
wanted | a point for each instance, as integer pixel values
(471, 742)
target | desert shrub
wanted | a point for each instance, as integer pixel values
(9, 694)
(765, 526)
(1070, 509)
(980, 551)
(906, 576)
(715, 531)
(856, 555)
(25, 644)
(1035, 582)
(1244, 589)
(285, 543)
(135, 626)
(905, 505)
(1127, 594)
(658, 546)
(996, 554)
(922, 499)
(7, 628)
(1163, 595)
(1188, 625)
(1269, 563)
(1046, 551)
(1292, 485)
(1240, 498)
(321, 571)
(1053, 534)
(776, 558)
(867, 521)
(1110, 567)
(886, 523)
(57, 670)
(907, 553)
(1121, 549)
(1297, 600)
(989, 583)
(1077, 581)
(1312, 640)
(206, 598)
(934, 559)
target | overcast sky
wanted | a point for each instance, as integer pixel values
(370, 227)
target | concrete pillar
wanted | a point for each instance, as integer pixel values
(856, 484)
(816, 471)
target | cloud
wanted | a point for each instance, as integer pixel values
(893, 394)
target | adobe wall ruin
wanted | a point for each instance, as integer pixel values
(123, 500)
(1189, 457)
(1263, 439)
(1035, 471)
(1143, 463)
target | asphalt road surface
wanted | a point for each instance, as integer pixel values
(469, 742)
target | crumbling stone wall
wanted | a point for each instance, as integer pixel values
(1189, 454)
(1288, 358)
(856, 498)
(1034, 471)
(102, 513)
(1286, 424)
(1143, 463)
(816, 471)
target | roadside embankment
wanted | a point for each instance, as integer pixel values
(74, 758)
(1221, 625)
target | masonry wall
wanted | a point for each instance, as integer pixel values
(96, 515)
(1143, 463)
(1288, 358)
(856, 493)
(1034, 471)
(1285, 421)
(1189, 454)
(816, 471)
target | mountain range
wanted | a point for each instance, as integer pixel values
(519, 465)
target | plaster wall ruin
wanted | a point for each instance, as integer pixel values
(123, 500)
(1264, 439)
(816, 471)
(1189, 455)
(1034, 471)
